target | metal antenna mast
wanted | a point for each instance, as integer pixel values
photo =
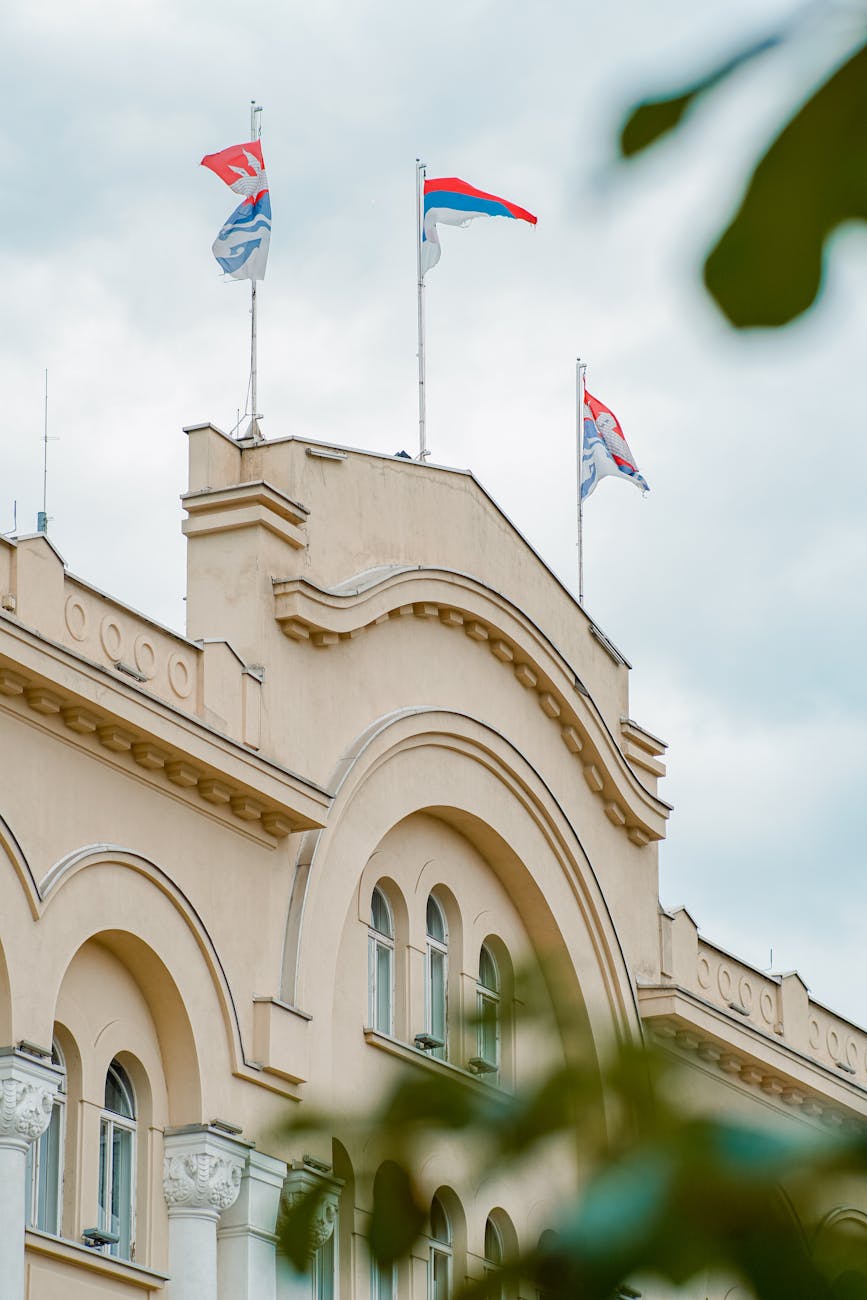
(42, 516)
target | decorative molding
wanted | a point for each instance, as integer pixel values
(670, 1033)
(27, 1091)
(92, 726)
(202, 1171)
(314, 616)
(201, 1182)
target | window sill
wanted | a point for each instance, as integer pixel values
(415, 1056)
(77, 1255)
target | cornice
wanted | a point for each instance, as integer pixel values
(683, 1022)
(49, 685)
(320, 617)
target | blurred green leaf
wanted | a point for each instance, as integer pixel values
(398, 1218)
(767, 267)
(295, 1228)
(654, 118)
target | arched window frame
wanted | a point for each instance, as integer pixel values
(117, 1166)
(44, 1178)
(436, 983)
(488, 1016)
(380, 964)
(441, 1258)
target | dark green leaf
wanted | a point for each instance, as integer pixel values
(767, 267)
(654, 118)
(398, 1215)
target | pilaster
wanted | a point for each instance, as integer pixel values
(201, 1179)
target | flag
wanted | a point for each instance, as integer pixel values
(241, 247)
(455, 203)
(606, 451)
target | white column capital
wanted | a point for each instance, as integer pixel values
(202, 1172)
(27, 1090)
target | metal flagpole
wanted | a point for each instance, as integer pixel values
(580, 368)
(253, 430)
(419, 192)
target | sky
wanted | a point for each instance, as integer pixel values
(735, 588)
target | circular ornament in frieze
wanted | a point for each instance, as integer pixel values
(724, 981)
(145, 656)
(704, 972)
(111, 637)
(833, 1041)
(180, 676)
(75, 614)
(813, 1034)
(766, 1006)
(745, 993)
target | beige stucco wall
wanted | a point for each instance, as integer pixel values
(191, 828)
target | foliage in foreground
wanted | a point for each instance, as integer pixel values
(662, 1194)
(766, 268)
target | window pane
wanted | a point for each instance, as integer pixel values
(436, 922)
(489, 976)
(104, 1172)
(29, 1174)
(383, 1021)
(383, 1286)
(437, 968)
(380, 914)
(440, 1229)
(489, 1029)
(121, 1190)
(323, 1288)
(440, 1275)
(118, 1092)
(48, 1175)
(493, 1245)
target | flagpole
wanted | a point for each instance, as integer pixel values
(253, 430)
(580, 368)
(419, 199)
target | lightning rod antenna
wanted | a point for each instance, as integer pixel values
(42, 516)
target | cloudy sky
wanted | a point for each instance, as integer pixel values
(736, 588)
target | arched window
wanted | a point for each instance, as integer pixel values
(493, 1257)
(439, 1278)
(436, 978)
(488, 1016)
(117, 1162)
(44, 1181)
(380, 964)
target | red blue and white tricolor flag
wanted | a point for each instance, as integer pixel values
(455, 203)
(241, 247)
(606, 451)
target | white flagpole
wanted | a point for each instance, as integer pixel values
(253, 430)
(580, 368)
(419, 192)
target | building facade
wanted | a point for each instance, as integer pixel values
(313, 842)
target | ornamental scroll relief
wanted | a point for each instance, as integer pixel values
(200, 1181)
(25, 1109)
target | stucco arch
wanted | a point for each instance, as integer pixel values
(131, 906)
(11, 850)
(456, 768)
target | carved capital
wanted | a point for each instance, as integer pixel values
(302, 1182)
(202, 1172)
(26, 1097)
(201, 1182)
